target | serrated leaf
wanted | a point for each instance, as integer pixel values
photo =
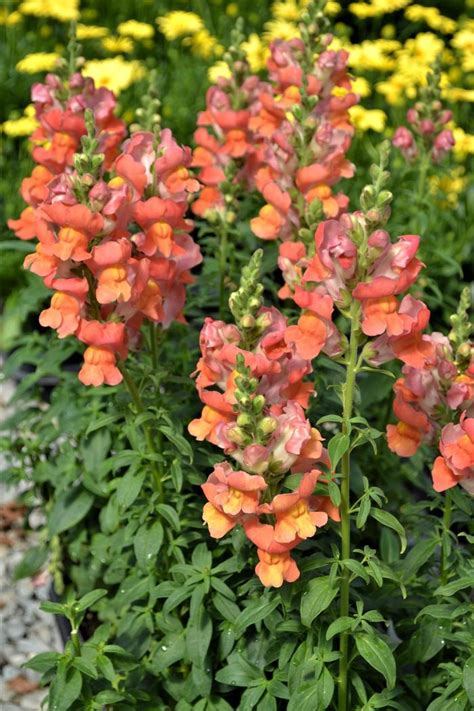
(378, 654)
(319, 595)
(387, 519)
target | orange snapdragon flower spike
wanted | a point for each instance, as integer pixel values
(274, 569)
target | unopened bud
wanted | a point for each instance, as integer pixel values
(464, 351)
(247, 321)
(267, 426)
(237, 436)
(258, 403)
(244, 420)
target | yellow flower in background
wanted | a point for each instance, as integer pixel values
(395, 90)
(365, 119)
(62, 10)
(85, 32)
(463, 41)
(374, 8)
(135, 29)
(256, 52)
(432, 17)
(115, 74)
(332, 8)
(280, 29)
(203, 44)
(38, 62)
(450, 186)
(464, 143)
(286, 10)
(179, 24)
(22, 126)
(373, 55)
(219, 70)
(232, 9)
(9, 18)
(117, 45)
(361, 86)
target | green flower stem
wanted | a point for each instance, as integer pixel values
(223, 244)
(347, 406)
(153, 344)
(445, 538)
(140, 407)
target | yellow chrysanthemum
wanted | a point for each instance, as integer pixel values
(449, 187)
(219, 70)
(463, 143)
(179, 24)
(368, 119)
(64, 11)
(432, 17)
(255, 51)
(203, 44)
(38, 62)
(289, 10)
(135, 29)
(361, 86)
(374, 8)
(9, 18)
(374, 55)
(117, 45)
(116, 74)
(22, 126)
(85, 32)
(280, 29)
(232, 9)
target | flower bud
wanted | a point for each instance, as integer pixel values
(258, 403)
(267, 426)
(244, 420)
(247, 321)
(237, 436)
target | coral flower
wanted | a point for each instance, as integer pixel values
(403, 439)
(63, 314)
(99, 367)
(308, 336)
(456, 465)
(234, 492)
(275, 568)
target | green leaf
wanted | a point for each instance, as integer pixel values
(337, 447)
(378, 654)
(170, 515)
(198, 636)
(255, 612)
(103, 421)
(69, 508)
(340, 625)
(31, 562)
(418, 556)
(147, 543)
(387, 519)
(468, 678)
(467, 581)
(43, 662)
(239, 672)
(334, 493)
(181, 444)
(129, 487)
(54, 608)
(363, 512)
(171, 649)
(65, 689)
(85, 667)
(321, 592)
(357, 568)
(90, 599)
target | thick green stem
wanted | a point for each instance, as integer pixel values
(347, 405)
(222, 269)
(135, 395)
(445, 539)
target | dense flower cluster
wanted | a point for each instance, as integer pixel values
(251, 383)
(113, 238)
(435, 403)
(287, 137)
